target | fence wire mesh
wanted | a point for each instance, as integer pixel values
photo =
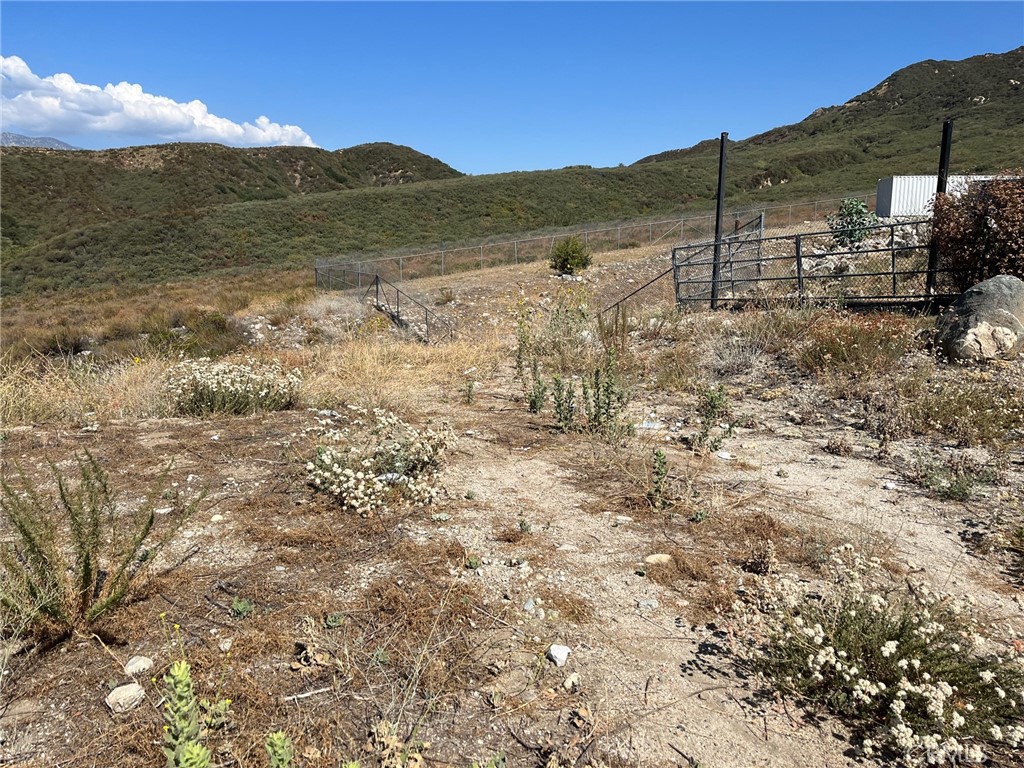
(886, 262)
(357, 273)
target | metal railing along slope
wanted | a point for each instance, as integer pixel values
(405, 311)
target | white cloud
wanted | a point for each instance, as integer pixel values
(59, 105)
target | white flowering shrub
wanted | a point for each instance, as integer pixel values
(906, 665)
(372, 460)
(203, 386)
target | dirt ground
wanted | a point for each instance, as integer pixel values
(444, 613)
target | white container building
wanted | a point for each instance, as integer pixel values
(913, 195)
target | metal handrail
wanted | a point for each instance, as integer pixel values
(382, 301)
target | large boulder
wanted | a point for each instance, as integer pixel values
(985, 322)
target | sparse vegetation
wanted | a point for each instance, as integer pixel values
(349, 620)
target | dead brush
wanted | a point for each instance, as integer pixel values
(570, 606)
(973, 408)
(685, 567)
(80, 391)
(410, 647)
(854, 346)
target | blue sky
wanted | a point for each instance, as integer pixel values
(486, 87)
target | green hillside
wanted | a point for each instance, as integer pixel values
(150, 214)
(48, 193)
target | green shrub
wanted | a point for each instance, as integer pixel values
(905, 666)
(75, 555)
(981, 233)
(570, 256)
(851, 224)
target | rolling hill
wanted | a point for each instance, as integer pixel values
(149, 214)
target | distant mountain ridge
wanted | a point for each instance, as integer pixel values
(165, 212)
(8, 139)
(982, 95)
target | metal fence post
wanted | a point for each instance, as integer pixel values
(481, 256)
(716, 266)
(799, 268)
(515, 247)
(892, 251)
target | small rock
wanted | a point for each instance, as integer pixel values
(441, 517)
(225, 644)
(163, 511)
(530, 605)
(659, 558)
(725, 456)
(646, 606)
(137, 665)
(125, 697)
(889, 485)
(567, 548)
(572, 682)
(623, 519)
(559, 654)
(216, 518)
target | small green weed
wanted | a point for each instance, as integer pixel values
(659, 476)
(955, 478)
(280, 750)
(713, 409)
(241, 607)
(538, 390)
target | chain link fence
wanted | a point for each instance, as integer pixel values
(886, 262)
(351, 273)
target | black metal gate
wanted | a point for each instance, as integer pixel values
(888, 264)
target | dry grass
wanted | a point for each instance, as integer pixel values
(377, 369)
(79, 392)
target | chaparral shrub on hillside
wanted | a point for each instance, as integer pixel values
(570, 256)
(981, 233)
